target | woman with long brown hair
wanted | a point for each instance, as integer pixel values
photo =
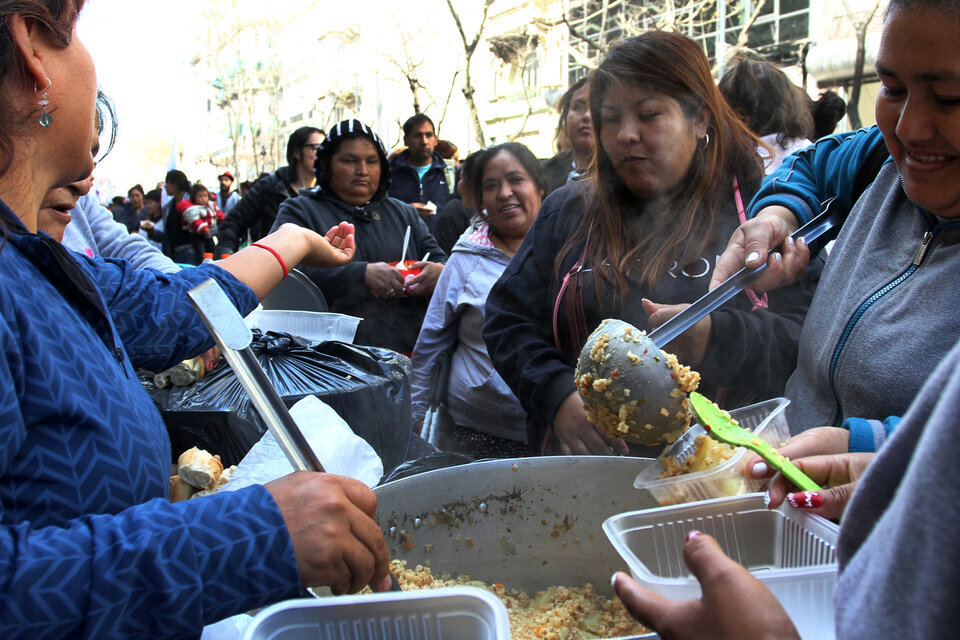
(673, 169)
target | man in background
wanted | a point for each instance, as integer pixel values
(227, 199)
(418, 175)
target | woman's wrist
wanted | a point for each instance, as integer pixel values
(291, 241)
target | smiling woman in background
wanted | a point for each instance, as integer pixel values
(85, 459)
(488, 420)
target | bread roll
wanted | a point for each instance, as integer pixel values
(180, 490)
(198, 468)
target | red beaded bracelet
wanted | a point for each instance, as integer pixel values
(275, 255)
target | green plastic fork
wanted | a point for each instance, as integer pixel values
(721, 427)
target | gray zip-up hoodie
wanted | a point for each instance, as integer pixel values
(884, 314)
(899, 561)
(477, 397)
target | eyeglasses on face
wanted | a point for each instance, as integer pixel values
(313, 145)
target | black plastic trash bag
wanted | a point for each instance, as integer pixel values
(429, 462)
(368, 387)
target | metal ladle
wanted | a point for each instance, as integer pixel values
(631, 392)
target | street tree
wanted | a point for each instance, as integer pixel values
(246, 80)
(861, 22)
(469, 47)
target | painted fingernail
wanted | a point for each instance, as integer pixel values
(790, 241)
(753, 256)
(801, 242)
(805, 499)
(613, 579)
(778, 257)
(766, 499)
(759, 469)
(692, 534)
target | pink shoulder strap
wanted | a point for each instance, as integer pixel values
(759, 302)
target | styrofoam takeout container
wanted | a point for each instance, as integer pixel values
(765, 419)
(455, 613)
(310, 325)
(792, 552)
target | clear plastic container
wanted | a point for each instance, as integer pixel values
(455, 613)
(309, 325)
(729, 478)
(793, 553)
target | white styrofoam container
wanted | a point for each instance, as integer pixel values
(792, 552)
(310, 325)
(454, 613)
(765, 419)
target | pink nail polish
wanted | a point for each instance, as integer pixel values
(805, 499)
(692, 534)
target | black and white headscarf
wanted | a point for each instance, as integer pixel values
(348, 130)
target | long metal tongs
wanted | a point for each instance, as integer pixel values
(233, 336)
(438, 399)
(831, 216)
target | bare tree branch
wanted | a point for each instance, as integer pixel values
(860, 26)
(745, 31)
(446, 105)
(468, 49)
(582, 38)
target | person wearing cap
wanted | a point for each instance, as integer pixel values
(227, 199)
(257, 210)
(420, 174)
(353, 175)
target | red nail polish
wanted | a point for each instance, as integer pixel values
(805, 499)
(692, 534)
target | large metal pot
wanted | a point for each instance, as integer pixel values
(528, 523)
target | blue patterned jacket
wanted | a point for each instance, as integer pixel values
(89, 545)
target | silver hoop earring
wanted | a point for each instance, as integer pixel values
(45, 118)
(706, 140)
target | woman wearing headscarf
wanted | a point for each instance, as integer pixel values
(352, 177)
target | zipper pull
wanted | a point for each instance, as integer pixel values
(927, 237)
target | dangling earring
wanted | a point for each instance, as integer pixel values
(706, 140)
(45, 118)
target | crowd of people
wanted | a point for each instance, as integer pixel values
(665, 182)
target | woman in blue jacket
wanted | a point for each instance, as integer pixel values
(865, 347)
(90, 546)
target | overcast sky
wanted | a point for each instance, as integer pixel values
(139, 49)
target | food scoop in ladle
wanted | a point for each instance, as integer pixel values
(630, 388)
(627, 393)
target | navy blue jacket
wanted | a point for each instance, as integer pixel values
(405, 184)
